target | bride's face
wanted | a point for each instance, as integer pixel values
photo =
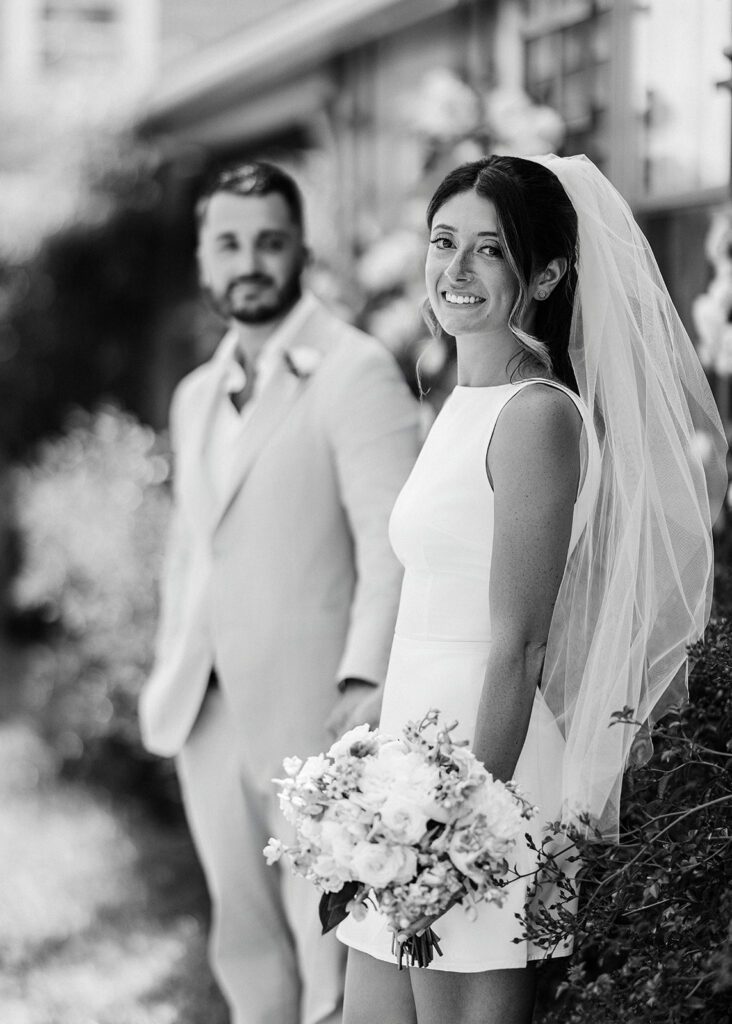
(470, 286)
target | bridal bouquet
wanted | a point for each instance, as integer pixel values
(409, 825)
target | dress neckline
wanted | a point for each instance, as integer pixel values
(482, 387)
(509, 384)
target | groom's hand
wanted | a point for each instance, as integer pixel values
(359, 702)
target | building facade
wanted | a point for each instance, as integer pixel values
(348, 94)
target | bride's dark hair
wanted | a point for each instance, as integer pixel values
(536, 223)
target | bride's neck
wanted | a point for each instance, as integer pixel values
(483, 364)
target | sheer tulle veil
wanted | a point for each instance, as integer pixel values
(637, 588)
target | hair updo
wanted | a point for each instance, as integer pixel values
(536, 223)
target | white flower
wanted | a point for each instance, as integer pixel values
(378, 865)
(396, 324)
(358, 910)
(273, 850)
(391, 261)
(292, 766)
(500, 811)
(359, 741)
(329, 873)
(445, 107)
(339, 839)
(405, 819)
(313, 768)
(303, 361)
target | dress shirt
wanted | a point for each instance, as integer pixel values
(229, 426)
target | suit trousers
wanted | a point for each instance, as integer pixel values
(266, 950)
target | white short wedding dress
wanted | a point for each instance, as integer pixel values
(441, 530)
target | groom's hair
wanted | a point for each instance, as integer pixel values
(255, 178)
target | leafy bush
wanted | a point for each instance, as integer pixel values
(92, 511)
(654, 933)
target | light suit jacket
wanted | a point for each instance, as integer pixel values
(288, 583)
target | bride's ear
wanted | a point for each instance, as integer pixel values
(545, 281)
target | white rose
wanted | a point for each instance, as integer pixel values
(339, 841)
(377, 865)
(464, 856)
(501, 812)
(405, 819)
(330, 874)
(397, 771)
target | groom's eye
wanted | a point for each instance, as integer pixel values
(272, 243)
(226, 245)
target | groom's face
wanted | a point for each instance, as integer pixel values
(251, 256)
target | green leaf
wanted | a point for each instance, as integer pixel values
(332, 908)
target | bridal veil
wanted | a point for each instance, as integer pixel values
(637, 589)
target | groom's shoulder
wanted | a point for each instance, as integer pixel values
(349, 347)
(186, 394)
(190, 383)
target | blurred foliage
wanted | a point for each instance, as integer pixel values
(77, 316)
(92, 511)
(654, 931)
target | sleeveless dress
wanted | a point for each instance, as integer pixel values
(441, 531)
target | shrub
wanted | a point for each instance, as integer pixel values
(92, 511)
(654, 932)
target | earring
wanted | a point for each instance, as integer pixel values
(542, 293)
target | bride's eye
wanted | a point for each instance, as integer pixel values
(441, 242)
(491, 250)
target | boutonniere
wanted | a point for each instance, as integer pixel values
(302, 361)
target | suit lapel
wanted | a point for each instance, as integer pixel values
(269, 412)
(195, 470)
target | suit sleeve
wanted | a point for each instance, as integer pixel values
(176, 548)
(374, 431)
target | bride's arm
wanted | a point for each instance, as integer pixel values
(533, 466)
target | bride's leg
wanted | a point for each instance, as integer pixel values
(377, 991)
(491, 997)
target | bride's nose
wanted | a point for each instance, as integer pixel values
(458, 270)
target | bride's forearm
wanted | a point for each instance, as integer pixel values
(512, 675)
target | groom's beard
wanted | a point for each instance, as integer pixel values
(256, 298)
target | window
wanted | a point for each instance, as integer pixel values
(683, 116)
(568, 54)
(636, 82)
(79, 35)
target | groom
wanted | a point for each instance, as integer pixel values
(280, 588)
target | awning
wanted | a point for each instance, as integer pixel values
(273, 51)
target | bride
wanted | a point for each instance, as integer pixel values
(556, 538)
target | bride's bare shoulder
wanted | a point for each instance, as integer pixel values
(540, 423)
